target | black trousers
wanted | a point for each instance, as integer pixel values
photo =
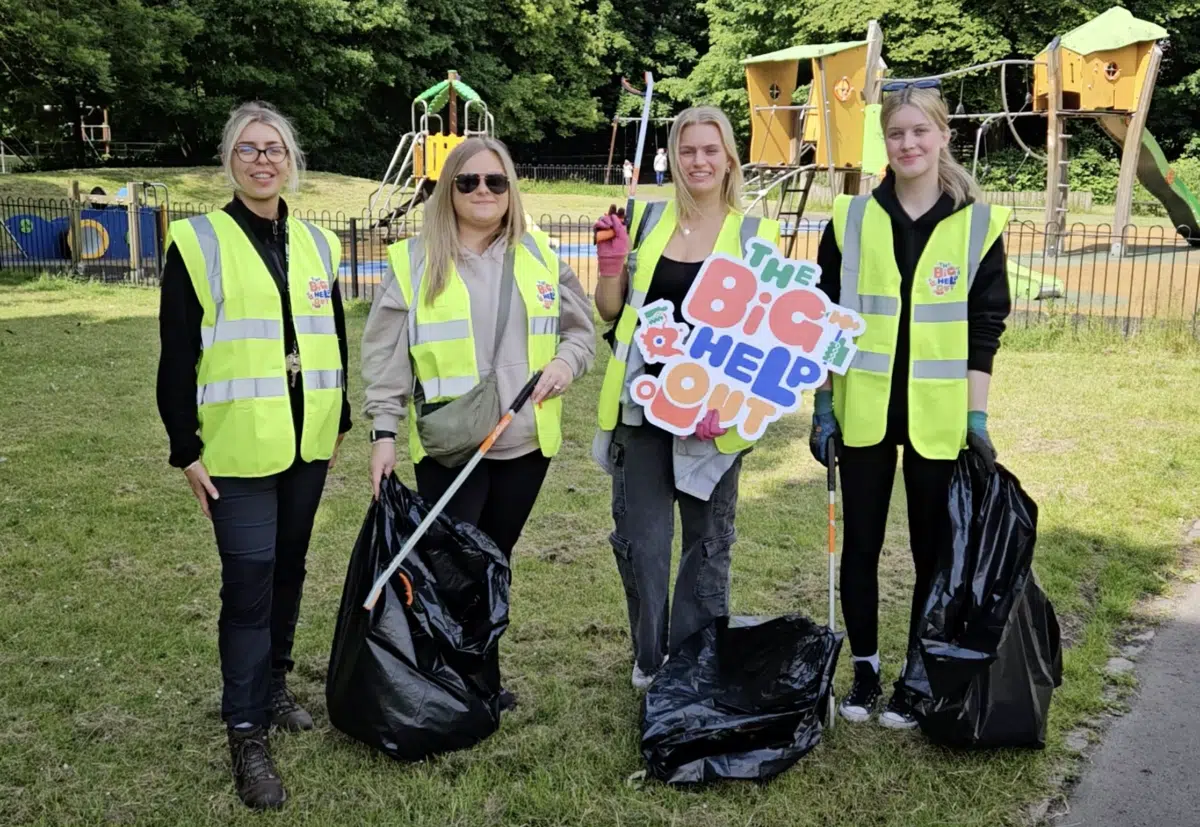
(867, 475)
(263, 525)
(497, 498)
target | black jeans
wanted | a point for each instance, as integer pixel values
(263, 525)
(497, 498)
(867, 475)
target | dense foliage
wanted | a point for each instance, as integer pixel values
(346, 70)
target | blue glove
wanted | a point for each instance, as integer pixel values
(824, 427)
(978, 440)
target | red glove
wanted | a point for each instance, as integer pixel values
(612, 252)
(710, 426)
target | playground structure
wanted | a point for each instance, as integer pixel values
(1104, 70)
(646, 123)
(831, 132)
(417, 162)
(106, 236)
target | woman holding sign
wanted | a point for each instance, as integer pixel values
(651, 468)
(922, 260)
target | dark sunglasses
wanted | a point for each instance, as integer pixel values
(468, 182)
(900, 85)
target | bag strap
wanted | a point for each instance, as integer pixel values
(508, 278)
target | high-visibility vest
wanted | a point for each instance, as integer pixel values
(242, 381)
(652, 226)
(441, 339)
(938, 340)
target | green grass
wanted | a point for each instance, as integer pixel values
(109, 681)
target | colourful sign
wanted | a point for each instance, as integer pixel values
(758, 334)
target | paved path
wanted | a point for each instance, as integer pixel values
(1147, 770)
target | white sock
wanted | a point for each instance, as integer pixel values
(243, 726)
(873, 660)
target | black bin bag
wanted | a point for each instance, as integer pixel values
(743, 698)
(989, 655)
(414, 680)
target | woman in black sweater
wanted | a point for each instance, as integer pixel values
(927, 258)
(232, 281)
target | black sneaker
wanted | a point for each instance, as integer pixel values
(508, 700)
(864, 694)
(286, 712)
(899, 713)
(258, 784)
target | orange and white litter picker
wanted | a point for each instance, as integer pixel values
(501, 426)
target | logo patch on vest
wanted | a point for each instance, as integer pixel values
(546, 293)
(944, 278)
(319, 293)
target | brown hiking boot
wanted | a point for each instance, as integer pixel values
(258, 784)
(286, 713)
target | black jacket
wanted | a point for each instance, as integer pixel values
(179, 320)
(988, 303)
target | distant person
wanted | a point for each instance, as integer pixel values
(929, 278)
(252, 391)
(627, 172)
(660, 166)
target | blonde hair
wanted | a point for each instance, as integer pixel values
(953, 178)
(731, 187)
(264, 113)
(440, 233)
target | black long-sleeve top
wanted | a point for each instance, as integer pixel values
(988, 303)
(179, 319)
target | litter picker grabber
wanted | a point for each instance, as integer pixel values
(501, 426)
(831, 478)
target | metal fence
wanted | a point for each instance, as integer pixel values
(1155, 278)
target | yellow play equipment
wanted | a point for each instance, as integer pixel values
(417, 162)
(829, 132)
(1105, 70)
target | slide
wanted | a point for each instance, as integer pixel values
(1156, 175)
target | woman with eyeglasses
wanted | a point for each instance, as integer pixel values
(922, 260)
(468, 311)
(252, 391)
(653, 470)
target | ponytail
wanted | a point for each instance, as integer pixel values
(955, 181)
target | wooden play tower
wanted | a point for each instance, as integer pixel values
(830, 132)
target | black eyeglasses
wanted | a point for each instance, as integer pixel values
(900, 85)
(275, 153)
(468, 182)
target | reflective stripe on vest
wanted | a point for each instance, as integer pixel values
(938, 336)
(648, 217)
(242, 358)
(441, 339)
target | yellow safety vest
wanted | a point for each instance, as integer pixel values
(441, 341)
(242, 381)
(658, 218)
(938, 341)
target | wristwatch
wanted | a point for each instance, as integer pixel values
(378, 435)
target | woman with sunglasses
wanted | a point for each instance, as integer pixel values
(476, 297)
(922, 260)
(252, 391)
(652, 470)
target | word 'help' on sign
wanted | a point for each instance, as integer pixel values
(759, 335)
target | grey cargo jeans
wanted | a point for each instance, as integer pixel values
(644, 520)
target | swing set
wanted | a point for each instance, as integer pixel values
(645, 123)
